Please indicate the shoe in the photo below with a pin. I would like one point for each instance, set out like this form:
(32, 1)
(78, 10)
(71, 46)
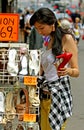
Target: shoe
(2, 99)
(23, 50)
(23, 61)
(3, 121)
(20, 127)
(34, 63)
(24, 65)
(30, 126)
(63, 59)
(9, 106)
(33, 97)
(22, 103)
(2, 106)
(12, 65)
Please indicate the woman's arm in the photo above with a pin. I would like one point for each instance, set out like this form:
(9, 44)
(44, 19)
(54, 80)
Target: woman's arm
(69, 45)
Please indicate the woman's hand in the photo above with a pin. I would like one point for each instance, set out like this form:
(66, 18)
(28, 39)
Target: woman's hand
(64, 71)
(73, 72)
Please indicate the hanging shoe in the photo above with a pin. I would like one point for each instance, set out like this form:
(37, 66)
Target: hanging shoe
(9, 107)
(22, 103)
(12, 65)
(34, 62)
(20, 127)
(24, 65)
(2, 105)
(33, 97)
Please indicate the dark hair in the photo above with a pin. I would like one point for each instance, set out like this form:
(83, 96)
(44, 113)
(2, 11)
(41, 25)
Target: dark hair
(43, 16)
(46, 16)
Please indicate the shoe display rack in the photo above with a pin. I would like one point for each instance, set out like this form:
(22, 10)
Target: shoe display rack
(19, 93)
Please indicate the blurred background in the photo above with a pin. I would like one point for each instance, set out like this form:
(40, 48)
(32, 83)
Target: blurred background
(20, 5)
(61, 8)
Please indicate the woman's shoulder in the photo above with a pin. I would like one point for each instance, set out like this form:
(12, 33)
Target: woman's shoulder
(68, 41)
(67, 37)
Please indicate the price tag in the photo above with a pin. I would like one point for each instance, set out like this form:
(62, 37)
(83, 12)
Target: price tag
(29, 117)
(9, 25)
(30, 80)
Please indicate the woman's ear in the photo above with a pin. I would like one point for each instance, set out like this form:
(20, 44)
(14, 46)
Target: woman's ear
(53, 27)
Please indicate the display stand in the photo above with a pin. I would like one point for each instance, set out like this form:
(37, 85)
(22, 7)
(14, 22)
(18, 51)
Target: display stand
(12, 83)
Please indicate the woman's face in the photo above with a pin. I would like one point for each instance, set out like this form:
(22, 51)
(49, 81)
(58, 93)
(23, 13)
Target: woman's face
(43, 29)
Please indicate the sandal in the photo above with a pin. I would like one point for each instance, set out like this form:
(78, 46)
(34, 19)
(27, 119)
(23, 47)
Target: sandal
(9, 108)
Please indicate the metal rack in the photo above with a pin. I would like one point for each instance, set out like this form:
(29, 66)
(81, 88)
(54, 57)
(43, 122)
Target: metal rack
(7, 84)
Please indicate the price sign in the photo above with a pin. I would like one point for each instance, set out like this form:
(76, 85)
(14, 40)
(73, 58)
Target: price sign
(30, 80)
(9, 25)
(29, 117)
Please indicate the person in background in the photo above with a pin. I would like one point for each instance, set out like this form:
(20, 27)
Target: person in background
(75, 14)
(56, 102)
(78, 21)
(76, 31)
(22, 27)
(27, 27)
(35, 40)
(77, 28)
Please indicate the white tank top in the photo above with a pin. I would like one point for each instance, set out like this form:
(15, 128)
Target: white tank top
(47, 60)
(76, 32)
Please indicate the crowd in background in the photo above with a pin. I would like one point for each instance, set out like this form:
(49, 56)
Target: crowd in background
(30, 35)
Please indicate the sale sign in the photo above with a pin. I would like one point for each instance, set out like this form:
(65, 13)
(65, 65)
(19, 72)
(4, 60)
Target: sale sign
(29, 117)
(9, 26)
(30, 80)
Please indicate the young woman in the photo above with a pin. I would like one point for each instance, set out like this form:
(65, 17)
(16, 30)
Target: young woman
(56, 102)
(76, 31)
